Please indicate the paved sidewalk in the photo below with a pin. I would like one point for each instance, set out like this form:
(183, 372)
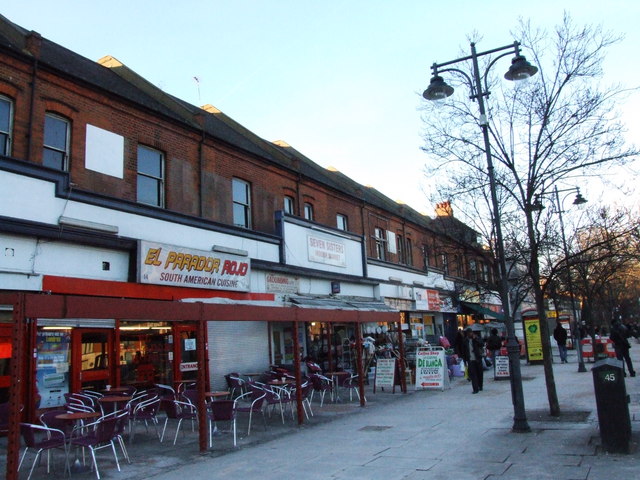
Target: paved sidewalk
(445, 435)
(421, 435)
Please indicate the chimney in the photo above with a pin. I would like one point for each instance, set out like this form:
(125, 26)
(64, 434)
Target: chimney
(443, 209)
(33, 43)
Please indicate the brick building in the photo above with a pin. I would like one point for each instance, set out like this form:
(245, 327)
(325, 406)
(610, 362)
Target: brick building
(115, 191)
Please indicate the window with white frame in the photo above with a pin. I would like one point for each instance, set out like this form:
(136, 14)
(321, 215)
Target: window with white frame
(342, 222)
(288, 205)
(379, 242)
(425, 256)
(6, 125)
(56, 142)
(409, 252)
(150, 176)
(241, 203)
(308, 211)
(444, 259)
(400, 248)
(473, 269)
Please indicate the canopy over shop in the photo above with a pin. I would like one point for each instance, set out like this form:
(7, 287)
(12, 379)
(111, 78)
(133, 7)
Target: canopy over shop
(27, 306)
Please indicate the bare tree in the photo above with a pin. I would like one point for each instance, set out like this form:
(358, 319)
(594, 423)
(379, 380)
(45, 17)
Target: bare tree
(560, 126)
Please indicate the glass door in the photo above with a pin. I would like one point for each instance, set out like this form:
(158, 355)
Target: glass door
(91, 367)
(186, 353)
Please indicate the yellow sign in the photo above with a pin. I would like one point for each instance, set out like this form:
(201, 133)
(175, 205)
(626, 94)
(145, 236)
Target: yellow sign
(534, 339)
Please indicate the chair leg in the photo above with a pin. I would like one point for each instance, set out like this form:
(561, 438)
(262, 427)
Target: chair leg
(95, 463)
(234, 432)
(123, 448)
(115, 454)
(166, 420)
(24, 454)
(35, 460)
(177, 431)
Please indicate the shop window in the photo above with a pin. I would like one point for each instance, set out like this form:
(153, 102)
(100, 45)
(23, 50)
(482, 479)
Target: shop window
(53, 349)
(6, 125)
(56, 142)
(241, 203)
(150, 186)
(146, 350)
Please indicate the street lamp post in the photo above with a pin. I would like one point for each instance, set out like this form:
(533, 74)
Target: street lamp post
(520, 70)
(579, 200)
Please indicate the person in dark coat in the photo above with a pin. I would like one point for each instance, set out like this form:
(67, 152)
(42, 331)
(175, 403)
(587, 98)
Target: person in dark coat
(619, 337)
(472, 355)
(560, 335)
(494, 344)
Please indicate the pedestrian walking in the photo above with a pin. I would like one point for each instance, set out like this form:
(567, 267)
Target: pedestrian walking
(494, 344)
(560, 335)
(620, 338)
(472, 356)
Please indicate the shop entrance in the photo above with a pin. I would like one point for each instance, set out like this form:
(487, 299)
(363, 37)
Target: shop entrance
(185, 350)
(92, 350)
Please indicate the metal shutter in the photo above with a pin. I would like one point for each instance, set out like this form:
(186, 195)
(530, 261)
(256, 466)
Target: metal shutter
(236, 347)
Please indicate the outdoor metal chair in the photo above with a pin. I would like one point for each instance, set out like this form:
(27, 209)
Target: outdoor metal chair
(222, 411)
(145, 410)
(180, 411)
(95, 436)
(254, 406)
(42, 439)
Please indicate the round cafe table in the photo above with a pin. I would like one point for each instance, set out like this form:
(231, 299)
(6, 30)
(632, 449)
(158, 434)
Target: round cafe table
(77, 418)
(113, 390)
(113, 401)
(214, 395)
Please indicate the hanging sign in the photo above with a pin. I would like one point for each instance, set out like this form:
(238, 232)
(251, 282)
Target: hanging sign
(385, 373)
(431, 369)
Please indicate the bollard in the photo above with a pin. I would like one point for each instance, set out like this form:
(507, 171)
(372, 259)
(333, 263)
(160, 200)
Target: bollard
(613, 405)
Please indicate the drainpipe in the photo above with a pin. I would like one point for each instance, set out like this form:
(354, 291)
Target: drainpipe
(33, 44)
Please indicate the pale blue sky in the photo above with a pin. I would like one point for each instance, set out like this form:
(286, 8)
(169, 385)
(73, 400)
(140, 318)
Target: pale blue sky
(338, 80)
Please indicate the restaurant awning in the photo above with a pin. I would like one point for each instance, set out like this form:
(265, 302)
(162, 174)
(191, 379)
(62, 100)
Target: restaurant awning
(477, 308)
(341, 304)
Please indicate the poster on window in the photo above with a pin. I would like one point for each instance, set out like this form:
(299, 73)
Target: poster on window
(52, 367)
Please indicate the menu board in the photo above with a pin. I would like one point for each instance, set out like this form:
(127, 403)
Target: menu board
(52, 367)
(385, 372)
(431, 368)
(501, 369)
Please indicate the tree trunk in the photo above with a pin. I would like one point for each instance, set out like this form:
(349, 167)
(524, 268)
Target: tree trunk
(547, 358)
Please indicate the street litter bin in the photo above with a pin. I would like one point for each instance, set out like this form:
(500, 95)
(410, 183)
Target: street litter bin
(613, 405)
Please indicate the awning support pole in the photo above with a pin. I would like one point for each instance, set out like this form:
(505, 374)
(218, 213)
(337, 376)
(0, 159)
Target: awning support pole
(359, 362)
(296, 364)
(202, 379)
(16, 389)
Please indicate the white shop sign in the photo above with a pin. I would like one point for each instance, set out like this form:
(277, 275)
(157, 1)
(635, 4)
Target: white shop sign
(162, 264)
(281, 283)
(326, 251)
(188, 366)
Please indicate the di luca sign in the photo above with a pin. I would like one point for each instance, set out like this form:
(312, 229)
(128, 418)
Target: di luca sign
(162, 264)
